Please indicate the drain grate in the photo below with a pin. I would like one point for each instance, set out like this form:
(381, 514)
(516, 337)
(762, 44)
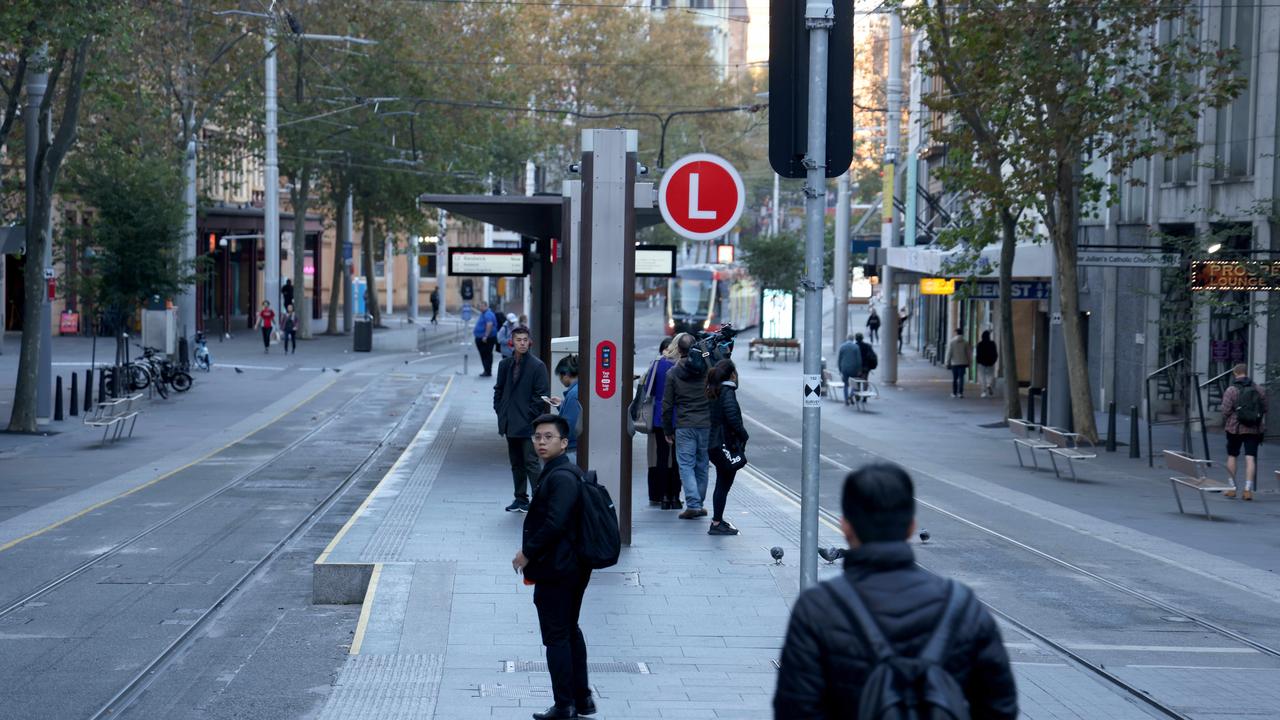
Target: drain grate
(632, 668)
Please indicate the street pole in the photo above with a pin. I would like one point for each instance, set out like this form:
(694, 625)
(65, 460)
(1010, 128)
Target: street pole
(442, 254)
(187, 296)
(819, 17)
(841, 270)
(889, 217)
(36, 86)
(773, 217)
(271, 181)
(413, 274)
(348, 259)
(388, 270)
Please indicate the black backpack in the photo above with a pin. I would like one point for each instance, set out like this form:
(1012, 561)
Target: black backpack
(599, 540)
(905, 688)
(1249, 405)
(869, 359)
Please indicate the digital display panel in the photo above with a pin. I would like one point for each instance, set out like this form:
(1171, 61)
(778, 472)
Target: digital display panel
(502, 262)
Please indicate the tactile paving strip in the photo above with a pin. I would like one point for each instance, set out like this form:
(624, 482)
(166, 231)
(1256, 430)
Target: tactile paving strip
(385, 686)
(389, 539)
(634, 668)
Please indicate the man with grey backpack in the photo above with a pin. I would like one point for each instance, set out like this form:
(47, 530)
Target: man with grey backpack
(887, 640)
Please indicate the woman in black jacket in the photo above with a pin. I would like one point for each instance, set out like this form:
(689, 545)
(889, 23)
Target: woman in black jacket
(727, 431)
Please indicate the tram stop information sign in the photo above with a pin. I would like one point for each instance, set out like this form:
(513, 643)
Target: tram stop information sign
(701, 196)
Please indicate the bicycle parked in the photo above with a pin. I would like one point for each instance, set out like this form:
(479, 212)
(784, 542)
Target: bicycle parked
(204, 360)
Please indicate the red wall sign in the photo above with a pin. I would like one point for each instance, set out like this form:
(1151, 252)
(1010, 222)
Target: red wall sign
(606, 369)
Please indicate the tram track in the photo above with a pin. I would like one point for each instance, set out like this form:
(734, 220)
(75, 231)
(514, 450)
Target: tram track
(1058, 647)
(126, 696)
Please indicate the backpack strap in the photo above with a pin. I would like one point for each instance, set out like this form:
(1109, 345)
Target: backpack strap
(846, 595)
(957, 597)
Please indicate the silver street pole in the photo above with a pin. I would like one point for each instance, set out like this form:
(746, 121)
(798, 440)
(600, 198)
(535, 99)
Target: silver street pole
(187, 299)
(271, 181)
(442, 255)
(841, 270)
(348, 290)
(819, 16)
(889, 227)
(777, 192)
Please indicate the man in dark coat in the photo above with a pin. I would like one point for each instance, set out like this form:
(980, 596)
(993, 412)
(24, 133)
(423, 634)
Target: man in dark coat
(686, 420)
(826, 660)
(550, 562)
(518, 398)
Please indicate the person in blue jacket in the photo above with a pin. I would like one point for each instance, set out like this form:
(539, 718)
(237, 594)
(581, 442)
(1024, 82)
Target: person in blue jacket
(570, 409)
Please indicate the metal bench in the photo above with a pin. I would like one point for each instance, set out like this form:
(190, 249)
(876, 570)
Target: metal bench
(113, 414)
(765, 353)
(1026, 434)
(835, 388)
(863, 390)
(1192, 473)
(1066, 445)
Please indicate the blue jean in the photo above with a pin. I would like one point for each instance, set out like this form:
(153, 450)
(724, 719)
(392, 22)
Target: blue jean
(691, 456)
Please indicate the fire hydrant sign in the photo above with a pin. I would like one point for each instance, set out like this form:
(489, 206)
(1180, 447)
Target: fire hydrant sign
(701, 196)
(606, 369)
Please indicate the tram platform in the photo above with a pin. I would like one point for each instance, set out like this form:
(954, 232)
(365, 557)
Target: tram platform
(686, 625)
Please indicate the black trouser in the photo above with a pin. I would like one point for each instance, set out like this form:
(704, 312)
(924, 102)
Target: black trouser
(291, 336)
(873, 334)
(266, 337)
(664, 478)
(485, 346)
(957, 379)
(559, 603)
(435, 312)
(525, 468)
(724, 481)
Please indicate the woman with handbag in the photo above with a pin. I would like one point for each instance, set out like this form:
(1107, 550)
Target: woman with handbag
(728, 444)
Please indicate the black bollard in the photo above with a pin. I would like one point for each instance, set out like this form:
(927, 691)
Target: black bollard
(1111, 426)
(1031, 405)
(73, 399)
(57, 399)
(88, 389)
(1134, 450)
(1044, 410)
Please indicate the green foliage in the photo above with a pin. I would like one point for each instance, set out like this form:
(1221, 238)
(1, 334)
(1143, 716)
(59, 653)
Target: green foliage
(777, 261)
(137, 232)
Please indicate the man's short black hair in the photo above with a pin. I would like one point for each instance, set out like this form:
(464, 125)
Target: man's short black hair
(520, 330)
(879, 502)
(857, 337)
(562, 425)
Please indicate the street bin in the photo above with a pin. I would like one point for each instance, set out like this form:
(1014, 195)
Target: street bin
(363, 336)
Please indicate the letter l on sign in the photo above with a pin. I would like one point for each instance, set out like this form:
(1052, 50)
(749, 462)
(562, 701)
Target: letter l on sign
(694, 212)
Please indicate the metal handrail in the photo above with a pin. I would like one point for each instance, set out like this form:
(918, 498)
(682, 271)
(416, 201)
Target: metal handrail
(1146, 385)
(1214, 379)
(1166, 367)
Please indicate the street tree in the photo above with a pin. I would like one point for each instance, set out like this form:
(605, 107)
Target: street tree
(1108, 83)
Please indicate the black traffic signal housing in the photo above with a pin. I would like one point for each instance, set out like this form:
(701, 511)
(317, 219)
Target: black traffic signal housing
(789, 88)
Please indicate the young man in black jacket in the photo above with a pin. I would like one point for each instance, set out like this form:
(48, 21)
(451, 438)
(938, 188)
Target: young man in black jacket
(825, 659)
(517, 400)
(549, 560)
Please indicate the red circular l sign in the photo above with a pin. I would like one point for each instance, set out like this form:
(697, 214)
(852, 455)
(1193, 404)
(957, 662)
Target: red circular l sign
(701, 196)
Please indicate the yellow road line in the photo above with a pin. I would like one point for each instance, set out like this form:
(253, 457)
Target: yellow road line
(366, 609)
(404, 457)
(169, 474)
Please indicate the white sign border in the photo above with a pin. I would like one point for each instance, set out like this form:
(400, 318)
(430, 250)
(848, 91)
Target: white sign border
(701, 157)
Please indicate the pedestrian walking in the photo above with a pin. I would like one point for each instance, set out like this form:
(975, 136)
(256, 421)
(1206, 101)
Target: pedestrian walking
(728, 440)
(435, 306)
(1244, 414)
(503, 336)
(852, 636)
(849, 363)
(569, 407)
(266, 320)
(286, 293)
(290, 329)
(873, 326)
(686, 420)
(957, 358)
(549, 560)
(664, 478)
(870, 361)
(987, 356)
(485, 331)
(903, 317)
(519, 396)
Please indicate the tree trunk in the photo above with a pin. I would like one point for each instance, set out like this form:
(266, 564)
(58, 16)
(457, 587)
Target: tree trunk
(1008, 354)
(339, 261)
(1063, 234)
(23, 416)
(370, 277)
(300, 195)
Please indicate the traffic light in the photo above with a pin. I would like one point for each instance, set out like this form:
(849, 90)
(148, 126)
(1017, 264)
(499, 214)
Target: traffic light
(789, 88)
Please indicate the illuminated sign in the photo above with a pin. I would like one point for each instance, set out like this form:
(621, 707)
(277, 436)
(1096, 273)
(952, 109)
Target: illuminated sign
(777, 315)
(606, 373)
(1235, 275)
(503, 262)
(724, 254)
(937, 286)
(655, 260)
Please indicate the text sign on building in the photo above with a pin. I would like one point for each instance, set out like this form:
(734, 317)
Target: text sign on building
(1235, 275)
(655, 260)
(937, 286)
(701, 196)
(1129, 259)
(488, 261)
(1020, 290)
